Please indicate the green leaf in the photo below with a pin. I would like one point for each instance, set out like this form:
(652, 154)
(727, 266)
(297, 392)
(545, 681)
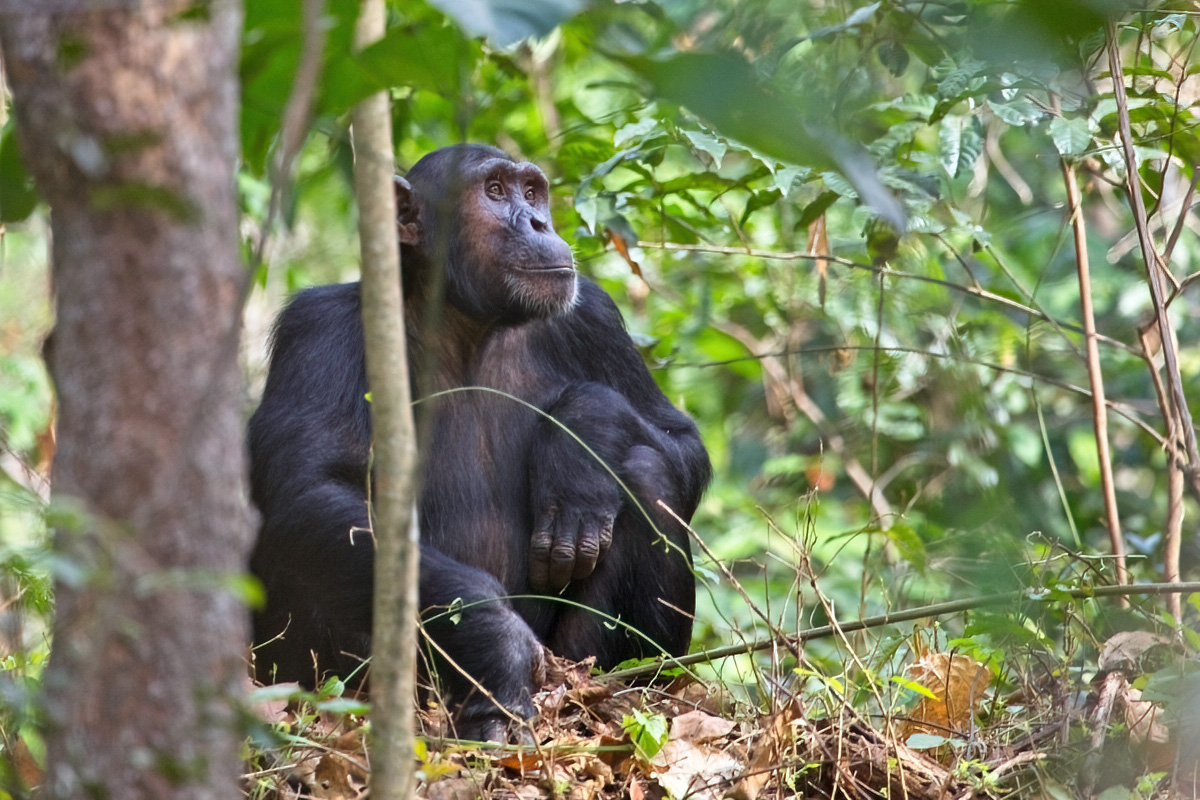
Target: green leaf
(507, 21)
(344, 705)
(724, 90)
(635, 131)
(758, 200)
(913, 686)
(786, 177)
(893, 56)
(959, 143)
(648, 732)
(1070, 136)
(707, 143)
(1081, 443)
(816, 208)
(837, 183)
(925, 741)
(17, 197)
(1018, 112)
(431, 57)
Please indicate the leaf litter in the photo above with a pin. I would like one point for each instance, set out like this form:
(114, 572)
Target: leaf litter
(952, 742)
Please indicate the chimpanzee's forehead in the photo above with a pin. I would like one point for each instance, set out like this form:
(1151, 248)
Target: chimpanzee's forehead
(500, 166)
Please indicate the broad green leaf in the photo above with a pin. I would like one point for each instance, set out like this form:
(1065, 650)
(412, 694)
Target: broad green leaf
(959, 144)
(344, 705)
(17, 197)
(816, 208)
(925, 741)
(648, 732)
(431, 57)
(786, 177)
(635, 131)
(1081, 442)
(707, 143)
(1070, 136)
(837, 183)
(1018, 112)
(893, 55)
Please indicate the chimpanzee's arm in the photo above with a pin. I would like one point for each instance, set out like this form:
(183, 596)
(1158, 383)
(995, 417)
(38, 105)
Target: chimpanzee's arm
(616, 408)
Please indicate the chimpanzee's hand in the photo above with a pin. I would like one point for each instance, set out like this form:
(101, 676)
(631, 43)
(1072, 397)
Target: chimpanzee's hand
(497, 718)
(574, 515)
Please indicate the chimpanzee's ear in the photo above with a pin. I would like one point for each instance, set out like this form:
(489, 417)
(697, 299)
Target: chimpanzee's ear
(408, 226)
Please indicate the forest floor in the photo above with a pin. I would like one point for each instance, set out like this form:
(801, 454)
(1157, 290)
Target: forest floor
(597, 739)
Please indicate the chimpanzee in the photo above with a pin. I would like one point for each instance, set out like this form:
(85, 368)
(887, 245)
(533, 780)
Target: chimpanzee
(526, 538)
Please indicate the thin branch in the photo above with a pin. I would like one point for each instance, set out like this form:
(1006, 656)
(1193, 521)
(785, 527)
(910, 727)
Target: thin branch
(1185, 208)
(23, 475)
(394, 453)
(1149, 256)
(892, 618)
(729, 576)
(293, 128)
(1005, 169)
(1095, 378)
(1121, 409)
(1173, 529)
(845, 262)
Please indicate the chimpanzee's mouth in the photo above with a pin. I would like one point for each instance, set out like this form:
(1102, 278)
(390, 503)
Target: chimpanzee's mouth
(552, 269)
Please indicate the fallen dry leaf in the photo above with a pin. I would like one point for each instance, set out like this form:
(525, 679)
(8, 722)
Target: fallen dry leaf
(957, 682)
(1144, 719)
(697, 726)
(454, 789)
(767, 750)
(337, 778)
(695, 771)
(1126, 649)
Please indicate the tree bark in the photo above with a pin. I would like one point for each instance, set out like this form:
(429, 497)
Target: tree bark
(394, 444)
(127, 113)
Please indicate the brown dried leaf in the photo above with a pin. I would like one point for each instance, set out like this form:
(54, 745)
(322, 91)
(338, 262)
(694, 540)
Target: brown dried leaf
(1125, 650)
(716, 700)
(818, 245)
(697, 726)
(622, 247)
(337, 778)
(522, 761)
(958, 683)
(454, 789)
(695, 771)
(777, 737)
(1143, 719)
(26, 765)
(274, 707)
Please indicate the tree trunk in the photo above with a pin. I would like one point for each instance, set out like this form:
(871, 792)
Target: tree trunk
(127, 113)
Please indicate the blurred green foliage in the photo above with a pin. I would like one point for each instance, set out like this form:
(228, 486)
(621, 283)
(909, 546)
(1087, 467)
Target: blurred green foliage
(916, 143)
(857, 259)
